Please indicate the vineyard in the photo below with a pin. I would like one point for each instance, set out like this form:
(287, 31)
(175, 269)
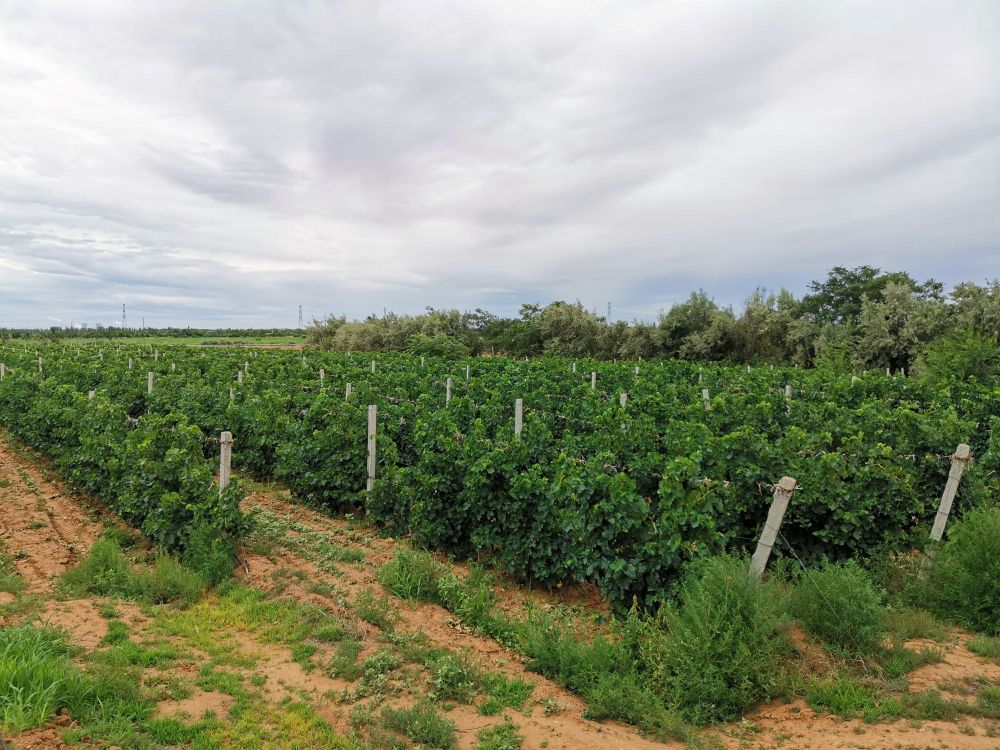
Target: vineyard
(616, 473)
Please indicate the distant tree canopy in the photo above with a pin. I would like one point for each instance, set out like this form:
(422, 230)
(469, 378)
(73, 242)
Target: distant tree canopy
(854, 319)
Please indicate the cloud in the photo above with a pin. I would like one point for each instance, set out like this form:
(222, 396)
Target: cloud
(223, 163)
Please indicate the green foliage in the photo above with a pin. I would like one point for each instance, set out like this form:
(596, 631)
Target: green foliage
(622, 498)
(963, 583)
(718, 652)
(838, 604)
(961, 356)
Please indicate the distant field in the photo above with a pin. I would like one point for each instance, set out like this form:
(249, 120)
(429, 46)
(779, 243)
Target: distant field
(194, 340)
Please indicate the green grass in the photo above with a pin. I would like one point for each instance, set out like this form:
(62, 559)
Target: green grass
(985, 646)
(907, 623)
(503, 692)
(107, 572)
(374, 609)
(499, 737)
(848, 698)
(344, 663)
(421, 724)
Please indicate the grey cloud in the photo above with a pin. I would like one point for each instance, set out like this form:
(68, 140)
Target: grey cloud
(359, 155)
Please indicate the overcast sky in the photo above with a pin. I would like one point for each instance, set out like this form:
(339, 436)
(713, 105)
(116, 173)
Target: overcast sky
(221, 163)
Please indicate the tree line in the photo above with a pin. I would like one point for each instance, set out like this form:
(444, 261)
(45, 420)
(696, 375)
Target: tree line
(854, 319)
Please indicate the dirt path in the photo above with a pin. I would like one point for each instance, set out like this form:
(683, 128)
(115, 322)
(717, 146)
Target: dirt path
(43, 523)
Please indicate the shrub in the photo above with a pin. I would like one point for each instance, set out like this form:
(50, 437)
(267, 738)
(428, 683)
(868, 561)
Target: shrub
(963, 584)
(209, 553)
(717, 653)
(453, 679)
(838, 604)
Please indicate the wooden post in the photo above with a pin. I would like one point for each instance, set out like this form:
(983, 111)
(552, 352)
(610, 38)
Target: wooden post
(622, 400)
(372, 422)
(225, 460)
(518, 416)
(447, 390)
(593, 380)
(705, 399)
(347, 393)
(782, 494)
(149, 382)
(958, 461)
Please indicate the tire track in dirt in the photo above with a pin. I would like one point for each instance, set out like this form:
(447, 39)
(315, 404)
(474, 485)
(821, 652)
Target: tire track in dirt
(44, 528)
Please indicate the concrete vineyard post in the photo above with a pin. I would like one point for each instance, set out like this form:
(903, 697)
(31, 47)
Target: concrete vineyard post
(347, 392)
(701, 377)
(421, 361)
(39, 364)
(637, 369)
(149, 382)
(574, 367)
(447, 390)
(468, 373)
(90, 395)
(373, 367)
(518, 416)
(130, 363)
(705, 399)
(593, 380)
(232, 394)
(225, 460)
(788, 392)
(3, 370)
(173, 367)
(372, 422)
(246, 367)
(958, 461)
(322, 376)
(622, 400)
(782, 494)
